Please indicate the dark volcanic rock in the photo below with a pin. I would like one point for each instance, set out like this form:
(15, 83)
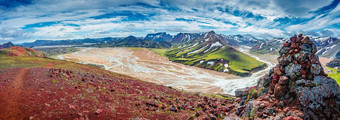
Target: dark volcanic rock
(306, 48)
(241, 92)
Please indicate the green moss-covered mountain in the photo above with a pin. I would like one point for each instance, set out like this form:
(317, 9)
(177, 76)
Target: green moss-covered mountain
(211, 52)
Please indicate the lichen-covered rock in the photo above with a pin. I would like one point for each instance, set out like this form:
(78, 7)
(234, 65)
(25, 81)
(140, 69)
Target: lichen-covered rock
(323, 95)
(284, 50)
(285, 60)
(252, 108)
(298, 57)
(264, 81)
(306, 48)
(292, 68)
(315, 69)
(305, 83)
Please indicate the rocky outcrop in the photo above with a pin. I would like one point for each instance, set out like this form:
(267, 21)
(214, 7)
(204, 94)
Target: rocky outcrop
(296, 88)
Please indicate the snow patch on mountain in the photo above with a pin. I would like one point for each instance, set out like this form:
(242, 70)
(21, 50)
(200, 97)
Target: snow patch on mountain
(216, 44)
(226, 67)
(210, 62)
(198, 50)
(201, 61)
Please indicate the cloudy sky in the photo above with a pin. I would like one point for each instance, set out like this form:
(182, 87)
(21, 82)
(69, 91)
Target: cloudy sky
(29, 20)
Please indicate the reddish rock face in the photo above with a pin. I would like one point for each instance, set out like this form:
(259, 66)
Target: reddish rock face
(303, 72)
(277, 71)
(306, 40)
(276, 78)
(283, 80)
(279, 90)
(293, 39)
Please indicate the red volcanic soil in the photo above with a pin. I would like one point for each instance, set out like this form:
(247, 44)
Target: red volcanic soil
(11, 98)
(52, 93)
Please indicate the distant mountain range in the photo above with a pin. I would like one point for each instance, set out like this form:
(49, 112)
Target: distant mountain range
(161, 38)
(70, 42)
(327, 46)
(132, 41)
(267, 47)
(206, 49)
(247, 40)
(233, 40)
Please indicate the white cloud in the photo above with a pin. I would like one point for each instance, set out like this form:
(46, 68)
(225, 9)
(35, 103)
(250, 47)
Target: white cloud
(272, 9)
(201, 16)
(26, 20)
(13, 34)
(317, 23)
(94, 21)
(271, 32)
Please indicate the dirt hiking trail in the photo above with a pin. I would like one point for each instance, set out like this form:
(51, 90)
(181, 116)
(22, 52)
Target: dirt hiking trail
(12, 100)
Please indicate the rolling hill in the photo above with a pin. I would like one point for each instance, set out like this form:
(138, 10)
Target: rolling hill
(21, 51)
(211, 51)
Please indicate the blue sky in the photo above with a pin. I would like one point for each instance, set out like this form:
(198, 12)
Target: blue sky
(29, 20)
